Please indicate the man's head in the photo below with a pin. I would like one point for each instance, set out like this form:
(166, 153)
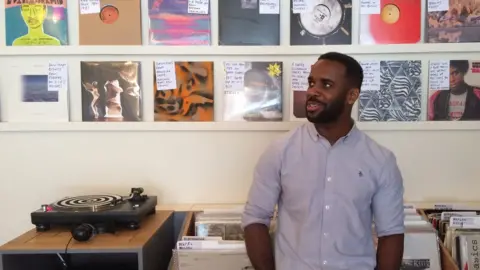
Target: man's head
(333, 87)
(458, 69)
(34, 14)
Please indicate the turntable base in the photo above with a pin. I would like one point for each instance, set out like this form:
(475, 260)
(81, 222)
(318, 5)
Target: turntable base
(149, 247)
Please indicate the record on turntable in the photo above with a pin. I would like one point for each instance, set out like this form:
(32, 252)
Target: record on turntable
(324, 22)
(105, 209)
(88, 203)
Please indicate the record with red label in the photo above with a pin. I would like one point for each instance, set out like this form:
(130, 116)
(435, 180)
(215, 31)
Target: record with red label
(399, 22)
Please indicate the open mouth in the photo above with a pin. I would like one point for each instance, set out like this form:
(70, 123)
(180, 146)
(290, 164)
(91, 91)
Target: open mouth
(313, 106)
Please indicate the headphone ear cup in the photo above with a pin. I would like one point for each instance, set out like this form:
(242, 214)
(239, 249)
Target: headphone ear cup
(83, 233)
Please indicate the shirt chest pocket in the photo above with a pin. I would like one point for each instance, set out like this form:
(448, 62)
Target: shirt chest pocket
(354, 185)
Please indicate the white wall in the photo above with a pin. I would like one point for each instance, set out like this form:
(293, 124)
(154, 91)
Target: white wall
(204, 162)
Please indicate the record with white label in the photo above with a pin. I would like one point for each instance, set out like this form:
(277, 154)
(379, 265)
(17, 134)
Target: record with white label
(325, 22)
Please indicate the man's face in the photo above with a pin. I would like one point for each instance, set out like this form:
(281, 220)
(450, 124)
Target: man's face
(33, 14)
(456, 78)
(328, 92)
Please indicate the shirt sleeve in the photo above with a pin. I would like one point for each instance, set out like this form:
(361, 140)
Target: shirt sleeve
(387, 204)
(265, 189)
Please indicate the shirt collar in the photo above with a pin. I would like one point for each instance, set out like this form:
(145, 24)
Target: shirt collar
(351, 135)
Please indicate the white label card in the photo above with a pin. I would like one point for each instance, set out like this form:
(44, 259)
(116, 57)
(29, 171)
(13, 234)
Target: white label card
(57, 76)
(439, 75)
(165, 75)
(371, 75)
(269, 7)
(189, 245)
(465, 222)
(234, 75)
(409, 206)
(443, 206)
(369, 7)
(89, 6)
(447, 215)
(299, 6)
(198, 6)
(438, 5)
(299, 78)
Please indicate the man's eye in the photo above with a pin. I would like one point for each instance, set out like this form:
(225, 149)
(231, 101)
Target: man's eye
(311, 84)
(327, 85)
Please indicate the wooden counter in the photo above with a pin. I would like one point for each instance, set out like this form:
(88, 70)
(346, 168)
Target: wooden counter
(149, 247)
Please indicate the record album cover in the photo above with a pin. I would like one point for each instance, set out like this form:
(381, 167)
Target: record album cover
(399, 22)
(399, 95)
(171, 24)
(192, 100)
(325, 22)
(253, 91)
(460, 23)
(111, 91)
(34, 97)
(40, 23)
(118, 22)
(454, 90)
(240, 23)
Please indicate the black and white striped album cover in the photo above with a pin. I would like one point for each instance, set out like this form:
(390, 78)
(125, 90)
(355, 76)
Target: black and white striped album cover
(394, 92)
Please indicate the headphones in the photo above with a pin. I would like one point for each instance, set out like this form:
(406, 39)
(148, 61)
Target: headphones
(83, 232)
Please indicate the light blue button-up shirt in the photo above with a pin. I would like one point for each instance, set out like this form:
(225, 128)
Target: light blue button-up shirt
(327, 197)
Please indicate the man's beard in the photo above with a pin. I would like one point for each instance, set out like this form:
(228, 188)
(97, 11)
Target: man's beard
(331, 112)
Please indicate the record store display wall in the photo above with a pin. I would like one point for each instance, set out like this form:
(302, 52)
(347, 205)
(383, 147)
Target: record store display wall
(143, 93)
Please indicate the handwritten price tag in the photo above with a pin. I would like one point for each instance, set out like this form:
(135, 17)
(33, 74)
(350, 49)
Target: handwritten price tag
(234, 75)
(165, 75)
(371, 75)
(89, 6)
(439, 75)
(57, 76)
(299, 79)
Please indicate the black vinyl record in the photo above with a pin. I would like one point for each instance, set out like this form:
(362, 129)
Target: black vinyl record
(241, 24)
(327, 22)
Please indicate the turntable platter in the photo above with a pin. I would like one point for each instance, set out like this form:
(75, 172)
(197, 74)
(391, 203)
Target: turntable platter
(89, 203)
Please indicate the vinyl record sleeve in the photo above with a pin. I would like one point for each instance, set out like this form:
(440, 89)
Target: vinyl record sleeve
(326, 22)
(253, 91)
(36, 24)
(171, 24)
(28, 97)
(192, 100)
(240, 23)
(118, 23)
(111, 91)
(460, 23)
(399, 22)
(454, 103)
(399, 97)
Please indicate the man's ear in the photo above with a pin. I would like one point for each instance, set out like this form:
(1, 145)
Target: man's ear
(353, 95)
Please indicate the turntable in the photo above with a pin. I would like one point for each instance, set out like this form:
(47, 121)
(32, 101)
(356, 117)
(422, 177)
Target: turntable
(104, 211)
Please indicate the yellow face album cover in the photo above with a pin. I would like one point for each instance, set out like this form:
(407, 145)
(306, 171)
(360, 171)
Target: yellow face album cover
(42, 23)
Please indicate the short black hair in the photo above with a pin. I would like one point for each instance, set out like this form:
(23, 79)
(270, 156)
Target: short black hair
(353, 69)
(461, 65)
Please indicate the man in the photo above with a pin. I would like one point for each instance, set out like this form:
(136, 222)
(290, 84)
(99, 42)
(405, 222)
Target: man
(461, 102)
(329, 179)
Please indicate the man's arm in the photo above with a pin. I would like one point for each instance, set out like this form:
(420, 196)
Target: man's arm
(388, 216)
(260, 206)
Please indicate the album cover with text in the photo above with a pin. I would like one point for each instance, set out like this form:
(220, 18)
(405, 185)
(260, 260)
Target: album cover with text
(192, 100)
(399, 22)
(241, 23)
(40, 23)
(111, 91)
(454, 90)
(394, 92)
(117, 22)
(36, 93)
(253, 91)
(459, 23)
(322, 22)
(171, 24)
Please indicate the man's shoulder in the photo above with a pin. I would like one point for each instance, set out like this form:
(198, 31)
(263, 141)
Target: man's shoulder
(289, 137)
(375, 151)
